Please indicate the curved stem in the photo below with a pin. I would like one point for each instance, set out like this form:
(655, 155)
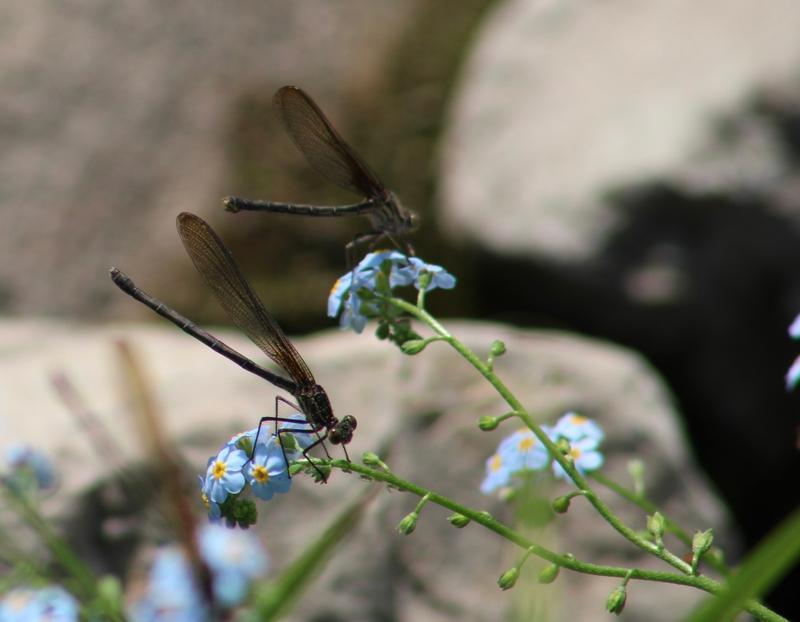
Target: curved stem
(650, 507)
(566, 561)
(517, 406)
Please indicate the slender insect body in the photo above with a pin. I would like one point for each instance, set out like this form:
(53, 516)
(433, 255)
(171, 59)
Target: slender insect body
(215, 264)
(328, 153)
(316, 406)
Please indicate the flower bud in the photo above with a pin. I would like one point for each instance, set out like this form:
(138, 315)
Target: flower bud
(288, 441)
(382, 332)
(244, 513)
(413, 346)
(701, 542)
(498, 348)
(548, 574)
(109, 590)
(487, 423)
(655, 525)
(561, 504)
(370, 458)
(508, 578)
(245, 443)
(563, 446)
(616, 600)
(408, 524)
(636, 470)
(458, 520)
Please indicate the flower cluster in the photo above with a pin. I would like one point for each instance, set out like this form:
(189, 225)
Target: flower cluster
(356, 296)
(234, 559)
(232, 470)
(522, 451)
(793, 374)
(53, 603)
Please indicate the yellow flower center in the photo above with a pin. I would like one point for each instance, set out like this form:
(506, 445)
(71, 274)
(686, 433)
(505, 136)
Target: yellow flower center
(574, 453)
(260, 474)
(578, 419)
(219, 469)
(496, 463)
(526, 443)
(18, 600)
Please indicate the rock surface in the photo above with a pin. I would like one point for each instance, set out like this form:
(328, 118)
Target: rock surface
(425, 408)
(116, 118)
(561, 103)
(632, 171)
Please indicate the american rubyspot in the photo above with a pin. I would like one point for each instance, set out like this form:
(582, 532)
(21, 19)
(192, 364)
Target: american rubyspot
(328, 154)
(216, 265)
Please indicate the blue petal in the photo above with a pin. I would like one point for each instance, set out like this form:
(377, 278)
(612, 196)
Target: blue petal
(793, 375)
(794, 329)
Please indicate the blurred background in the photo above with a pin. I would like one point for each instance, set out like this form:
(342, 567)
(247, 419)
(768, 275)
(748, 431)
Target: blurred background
(620, 170)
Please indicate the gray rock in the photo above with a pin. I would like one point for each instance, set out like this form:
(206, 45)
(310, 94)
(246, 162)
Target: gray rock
(562, 102)
(426, 410)
(115, 118)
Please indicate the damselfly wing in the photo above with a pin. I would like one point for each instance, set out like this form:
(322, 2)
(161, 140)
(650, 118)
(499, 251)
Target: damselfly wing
(218, 269)
(328, 154)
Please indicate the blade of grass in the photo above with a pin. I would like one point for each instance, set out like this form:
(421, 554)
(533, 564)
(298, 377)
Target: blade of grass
(276, 599)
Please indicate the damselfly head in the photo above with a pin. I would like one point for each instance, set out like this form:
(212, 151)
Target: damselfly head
(342, 432)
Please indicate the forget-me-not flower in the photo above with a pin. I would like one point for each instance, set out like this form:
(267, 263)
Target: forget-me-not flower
(573, 427)
(267, 472)
(352, 299)
(27, 467)
(48, 604)
(172, 594)
(224, 474)
(235, 558)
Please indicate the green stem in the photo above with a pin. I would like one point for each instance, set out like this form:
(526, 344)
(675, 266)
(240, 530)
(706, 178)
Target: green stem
(650, 507)
(422, 503)
(580, 481)
(517, 406)
(566, 561)
(84, 577)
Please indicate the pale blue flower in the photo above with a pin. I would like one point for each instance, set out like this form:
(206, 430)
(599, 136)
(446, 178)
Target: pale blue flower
(523, 451)
(267, 472)
(28, 467)
(235, 558)
(794, 329)
(793, 375)
(573, 427)
(498, 474)
(352, 296)
(413, 270)
(47, 604)
(224, 474)
(172, 594)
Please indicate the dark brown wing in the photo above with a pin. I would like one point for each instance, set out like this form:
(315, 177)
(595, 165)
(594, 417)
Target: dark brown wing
(323, 147)
(215, 264)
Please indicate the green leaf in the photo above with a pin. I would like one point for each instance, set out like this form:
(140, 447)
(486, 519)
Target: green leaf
(273, 601)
